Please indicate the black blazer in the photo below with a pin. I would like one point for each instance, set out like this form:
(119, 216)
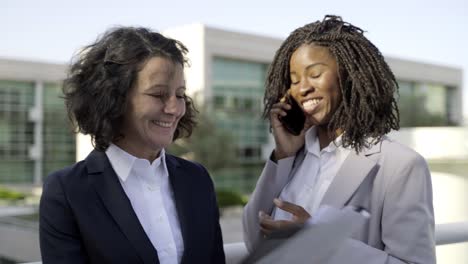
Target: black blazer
(86, 217)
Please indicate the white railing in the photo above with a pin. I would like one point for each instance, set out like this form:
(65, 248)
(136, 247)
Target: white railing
(450, 233)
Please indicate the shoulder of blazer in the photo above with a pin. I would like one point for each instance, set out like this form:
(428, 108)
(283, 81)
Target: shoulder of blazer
(64, 175)
(392, 147)
(393, 154)
(189, 170)
(74, 175)
(183, 163)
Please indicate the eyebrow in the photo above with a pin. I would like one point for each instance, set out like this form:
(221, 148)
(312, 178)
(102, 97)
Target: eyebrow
(164, 86)
(312, 65)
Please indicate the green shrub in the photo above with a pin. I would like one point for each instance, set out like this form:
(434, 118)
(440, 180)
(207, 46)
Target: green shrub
(230, 198)
(10, 195)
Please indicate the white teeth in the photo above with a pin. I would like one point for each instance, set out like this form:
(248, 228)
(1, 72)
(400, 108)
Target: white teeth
(162, 124)
(311, 102)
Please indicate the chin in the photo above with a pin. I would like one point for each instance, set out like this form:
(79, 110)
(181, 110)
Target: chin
(163, 144)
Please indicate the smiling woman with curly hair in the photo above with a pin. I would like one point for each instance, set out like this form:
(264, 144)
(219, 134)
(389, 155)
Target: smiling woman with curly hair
(129, 201)
(100, 79)
(330, 99)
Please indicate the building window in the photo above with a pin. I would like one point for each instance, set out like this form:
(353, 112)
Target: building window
(425, 104)
(218, 102)
(248, 153)
(58, 139)
(16, 132)
(238, 89)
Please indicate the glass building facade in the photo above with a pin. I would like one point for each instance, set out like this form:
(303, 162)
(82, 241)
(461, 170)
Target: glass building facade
(17, 132)
(426, 104)
(238, 88)
(59, 143)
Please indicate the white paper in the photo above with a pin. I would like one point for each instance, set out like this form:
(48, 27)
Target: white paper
(322, 236)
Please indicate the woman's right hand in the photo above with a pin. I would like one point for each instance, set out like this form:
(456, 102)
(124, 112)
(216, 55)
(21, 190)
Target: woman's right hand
(286, 143)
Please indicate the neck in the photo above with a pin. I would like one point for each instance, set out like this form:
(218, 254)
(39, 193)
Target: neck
(139, 153)
(325, 136)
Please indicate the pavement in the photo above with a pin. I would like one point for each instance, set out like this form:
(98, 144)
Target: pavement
(16, 210)
(231, 224)
(19, 239)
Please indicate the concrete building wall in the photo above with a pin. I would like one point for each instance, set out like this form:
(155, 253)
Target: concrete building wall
(407, 70)
(21, 70)
(193, 37)
(433, 143)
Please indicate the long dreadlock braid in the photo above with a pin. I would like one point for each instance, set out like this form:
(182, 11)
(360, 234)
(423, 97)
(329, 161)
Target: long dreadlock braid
(368, 109)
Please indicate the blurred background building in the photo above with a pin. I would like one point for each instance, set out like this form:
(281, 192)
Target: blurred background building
(226, 76)
(226, 79)
(35, 137)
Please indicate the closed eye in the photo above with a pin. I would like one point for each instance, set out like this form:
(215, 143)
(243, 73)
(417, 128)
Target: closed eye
(157, 95)
(315, 75)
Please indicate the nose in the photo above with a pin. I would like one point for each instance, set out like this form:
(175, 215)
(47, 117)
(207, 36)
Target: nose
(305, 87)
(170, 105)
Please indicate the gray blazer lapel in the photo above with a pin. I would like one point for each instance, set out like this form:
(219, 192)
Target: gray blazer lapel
(350, 177)
(300, 156)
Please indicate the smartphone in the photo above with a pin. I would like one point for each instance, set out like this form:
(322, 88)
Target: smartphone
(295, 118)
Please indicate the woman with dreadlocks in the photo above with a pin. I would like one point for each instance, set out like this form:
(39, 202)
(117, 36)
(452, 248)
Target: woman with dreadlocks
(342, 156)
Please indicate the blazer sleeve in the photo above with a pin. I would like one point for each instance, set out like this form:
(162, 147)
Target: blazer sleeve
(272, 180)
(218, 252)
(407, 221)
(58, 232)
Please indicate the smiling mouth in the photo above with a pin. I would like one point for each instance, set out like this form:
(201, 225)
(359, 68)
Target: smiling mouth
(162, 124)
(310, 105)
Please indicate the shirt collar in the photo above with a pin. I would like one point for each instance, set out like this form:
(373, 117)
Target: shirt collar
(334, 144)
(312, 143)
(122, 162)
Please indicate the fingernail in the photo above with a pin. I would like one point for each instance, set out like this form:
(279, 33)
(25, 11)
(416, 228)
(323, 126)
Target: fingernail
(277, 201)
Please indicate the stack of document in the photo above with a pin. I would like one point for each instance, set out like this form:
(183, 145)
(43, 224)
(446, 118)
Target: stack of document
(316, 242)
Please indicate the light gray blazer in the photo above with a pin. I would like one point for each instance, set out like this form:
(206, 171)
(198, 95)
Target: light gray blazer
(390, 180)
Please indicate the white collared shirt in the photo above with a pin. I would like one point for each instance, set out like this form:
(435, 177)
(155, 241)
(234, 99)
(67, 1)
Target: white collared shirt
(312, 179)
(148, 189)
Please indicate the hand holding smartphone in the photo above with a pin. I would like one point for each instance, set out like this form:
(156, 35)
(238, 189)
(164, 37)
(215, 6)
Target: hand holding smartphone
(295, 118)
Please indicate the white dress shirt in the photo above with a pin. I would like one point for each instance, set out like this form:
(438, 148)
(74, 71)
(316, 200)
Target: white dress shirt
(147, 187)
(311, 181)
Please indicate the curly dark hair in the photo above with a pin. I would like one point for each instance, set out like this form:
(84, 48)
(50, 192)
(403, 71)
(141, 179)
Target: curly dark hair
(101, 75)
(368, 87)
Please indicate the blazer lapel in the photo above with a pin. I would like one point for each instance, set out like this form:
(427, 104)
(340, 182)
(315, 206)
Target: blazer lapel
(350, 176)
(181, 189)
(104, 180)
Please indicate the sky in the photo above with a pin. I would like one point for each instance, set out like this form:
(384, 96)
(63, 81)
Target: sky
(52, 30)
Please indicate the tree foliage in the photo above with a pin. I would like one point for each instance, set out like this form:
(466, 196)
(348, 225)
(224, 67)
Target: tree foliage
(209, 145)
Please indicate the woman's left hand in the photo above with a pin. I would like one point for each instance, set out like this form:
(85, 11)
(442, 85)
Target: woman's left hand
(269, 226)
